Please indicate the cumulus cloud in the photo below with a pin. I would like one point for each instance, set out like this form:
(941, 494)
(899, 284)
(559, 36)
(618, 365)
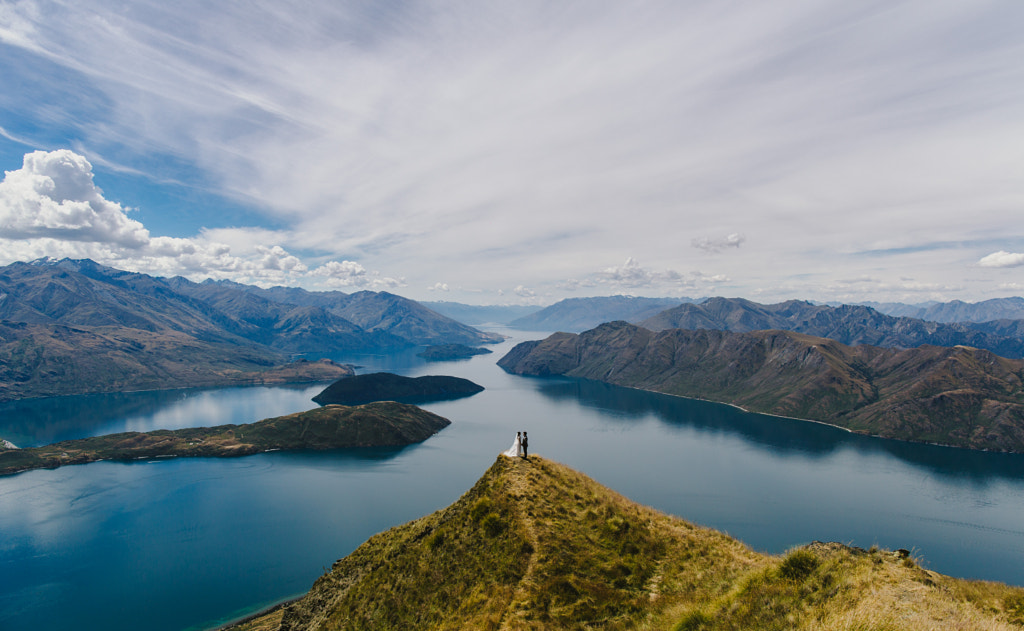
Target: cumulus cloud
(717, 245)
(53, 196)
(1002, 259)
(438, 286)
(352, 274)
(52, 208)
(632, 275)
(524, 292)
(276, 258)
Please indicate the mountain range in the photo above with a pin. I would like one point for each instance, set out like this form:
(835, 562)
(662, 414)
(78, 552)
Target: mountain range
(535, 545)
(580, 314)
(983, 324)
(73, 326)
(849, 324)
(1011, 308)
(960, 396)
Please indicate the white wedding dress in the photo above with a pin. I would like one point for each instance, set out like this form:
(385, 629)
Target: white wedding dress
(516, 450)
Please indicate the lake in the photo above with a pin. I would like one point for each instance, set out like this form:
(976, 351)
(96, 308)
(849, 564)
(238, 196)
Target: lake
(190, 543)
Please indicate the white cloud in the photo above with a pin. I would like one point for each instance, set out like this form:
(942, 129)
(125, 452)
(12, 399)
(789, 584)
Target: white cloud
(632, 274)
(1002, 259)
(438, 286)
(717, 245)
(53, 196)
(492, 144)
(573, 284)
(352, 274)
(52, 208)
(524, 292)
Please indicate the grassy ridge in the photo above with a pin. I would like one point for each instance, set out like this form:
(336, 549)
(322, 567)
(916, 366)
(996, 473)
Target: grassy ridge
(535, 545)
(331, 427)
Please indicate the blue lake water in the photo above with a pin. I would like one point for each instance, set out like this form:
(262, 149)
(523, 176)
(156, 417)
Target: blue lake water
(189, 543)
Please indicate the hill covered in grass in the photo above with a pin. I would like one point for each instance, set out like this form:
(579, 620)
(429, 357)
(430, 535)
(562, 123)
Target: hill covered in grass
(385, 424)
(535, 545)
(961, 396)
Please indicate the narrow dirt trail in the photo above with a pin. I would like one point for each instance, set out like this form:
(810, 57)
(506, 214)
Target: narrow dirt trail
(519, 486)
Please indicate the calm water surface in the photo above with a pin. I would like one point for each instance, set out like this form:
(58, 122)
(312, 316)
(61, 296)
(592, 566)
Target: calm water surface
(186, 544)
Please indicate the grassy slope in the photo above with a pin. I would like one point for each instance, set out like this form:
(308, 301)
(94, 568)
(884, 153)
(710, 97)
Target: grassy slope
(331, 427)
(536, 545)
(41, 360)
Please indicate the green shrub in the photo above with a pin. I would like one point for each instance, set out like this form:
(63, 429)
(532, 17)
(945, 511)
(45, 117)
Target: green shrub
(481, 508)
(694, 621)
(1014, 604)
(798, 565)
(492, 524)
(436, 540)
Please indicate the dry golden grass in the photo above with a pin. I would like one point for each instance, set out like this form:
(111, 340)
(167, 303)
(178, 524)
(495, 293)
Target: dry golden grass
(535, 545)
(268, 622)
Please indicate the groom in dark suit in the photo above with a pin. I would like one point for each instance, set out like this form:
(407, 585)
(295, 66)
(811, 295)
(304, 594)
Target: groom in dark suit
(525, 444)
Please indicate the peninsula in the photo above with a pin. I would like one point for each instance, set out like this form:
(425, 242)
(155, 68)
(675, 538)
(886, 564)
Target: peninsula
(446, 352)
(958, 396)
(537, 545)
(385, 386)
(384, 424)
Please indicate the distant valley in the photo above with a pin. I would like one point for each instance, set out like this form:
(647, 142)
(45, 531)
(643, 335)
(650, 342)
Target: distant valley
(580, 314)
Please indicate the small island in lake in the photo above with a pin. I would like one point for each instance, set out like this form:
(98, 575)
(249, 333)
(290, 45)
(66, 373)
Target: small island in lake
(446, 352)
(385, 386)
(383, 424)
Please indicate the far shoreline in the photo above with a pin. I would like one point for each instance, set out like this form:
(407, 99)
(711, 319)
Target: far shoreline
(806, 420)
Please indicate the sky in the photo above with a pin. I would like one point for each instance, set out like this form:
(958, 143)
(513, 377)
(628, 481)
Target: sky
(523, 152)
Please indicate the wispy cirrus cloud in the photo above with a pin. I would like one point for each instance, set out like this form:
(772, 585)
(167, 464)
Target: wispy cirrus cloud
(409, 137)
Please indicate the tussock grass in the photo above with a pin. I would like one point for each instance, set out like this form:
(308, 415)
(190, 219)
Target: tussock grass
(535, 545)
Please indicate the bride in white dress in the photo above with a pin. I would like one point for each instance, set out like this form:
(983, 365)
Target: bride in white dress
(516, 450)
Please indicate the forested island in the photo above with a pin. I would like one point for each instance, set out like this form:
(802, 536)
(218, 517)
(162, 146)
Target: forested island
(386, 386)
(446, 352)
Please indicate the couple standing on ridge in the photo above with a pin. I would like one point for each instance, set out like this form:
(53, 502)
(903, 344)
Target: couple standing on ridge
(519, 446)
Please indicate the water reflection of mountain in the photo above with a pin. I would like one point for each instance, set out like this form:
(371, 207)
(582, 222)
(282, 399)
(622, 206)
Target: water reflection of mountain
(44, 421)
(780, 435)
(35, 422)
